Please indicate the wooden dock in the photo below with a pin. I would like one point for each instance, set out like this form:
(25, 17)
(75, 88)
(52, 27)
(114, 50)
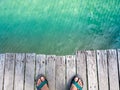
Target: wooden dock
(100, 70)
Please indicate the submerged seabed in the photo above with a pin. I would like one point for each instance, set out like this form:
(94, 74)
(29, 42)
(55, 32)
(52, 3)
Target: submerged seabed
(59, 26)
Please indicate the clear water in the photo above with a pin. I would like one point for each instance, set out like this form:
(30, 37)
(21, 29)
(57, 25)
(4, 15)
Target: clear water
(59, 26)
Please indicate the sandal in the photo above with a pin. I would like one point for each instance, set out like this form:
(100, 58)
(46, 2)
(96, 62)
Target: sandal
(42, 83)
(76, 82)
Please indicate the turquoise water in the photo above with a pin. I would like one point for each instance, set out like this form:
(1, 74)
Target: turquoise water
(59, 26)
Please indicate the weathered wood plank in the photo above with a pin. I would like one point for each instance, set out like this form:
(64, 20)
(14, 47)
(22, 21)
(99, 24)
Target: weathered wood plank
(113, 70)
(2, 60)
(9, 71)
(60, 73)
(92, 70)
(102, 69)
(50, 71)
(70, 69)
(81, 67)
(30, 71)
(55, 69)
(19, 71)
(40, 64)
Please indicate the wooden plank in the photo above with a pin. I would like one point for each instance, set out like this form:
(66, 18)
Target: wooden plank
(9, 71)
(40, 64)
(19, 71)
(2, 60)
(30, 71)
(102, 69)
(50, 71)
(113, 70)
(70, 69)
(92, 70)
(60, 73)
(81, 67)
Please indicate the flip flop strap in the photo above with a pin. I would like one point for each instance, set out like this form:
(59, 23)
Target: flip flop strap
(42, 84)
(77, 85)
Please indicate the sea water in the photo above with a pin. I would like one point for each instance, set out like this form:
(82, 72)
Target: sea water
(59, 26)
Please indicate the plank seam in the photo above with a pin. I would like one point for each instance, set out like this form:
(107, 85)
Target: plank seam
(45, 63)
(14, 71)
(55, 76)
(55, 71)
(24, 72)
(86, 71)
(3, 73)
(76, 64)
(65, 72)
(108, 72)
(118, 67)
(35, 72)
(97, 69)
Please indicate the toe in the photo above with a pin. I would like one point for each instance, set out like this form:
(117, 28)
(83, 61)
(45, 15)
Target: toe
(80, 82)
(76, 79)
(42, 79)
(38, 82)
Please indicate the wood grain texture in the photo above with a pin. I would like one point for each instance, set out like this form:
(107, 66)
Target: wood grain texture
(70, 69)
(92, 70)
(40, 64)
(81, 67)
(113, 70)
(50, 71)
(102, 69)
(60, 73)
(9, 71)
(19, 71)
(2, 60)
(30, 71)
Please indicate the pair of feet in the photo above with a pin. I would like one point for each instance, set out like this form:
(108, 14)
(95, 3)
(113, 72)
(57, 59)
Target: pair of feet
(76, 84)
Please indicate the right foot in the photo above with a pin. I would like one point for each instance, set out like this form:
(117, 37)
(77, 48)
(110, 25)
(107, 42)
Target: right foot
(40, 81)
(79, 82)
